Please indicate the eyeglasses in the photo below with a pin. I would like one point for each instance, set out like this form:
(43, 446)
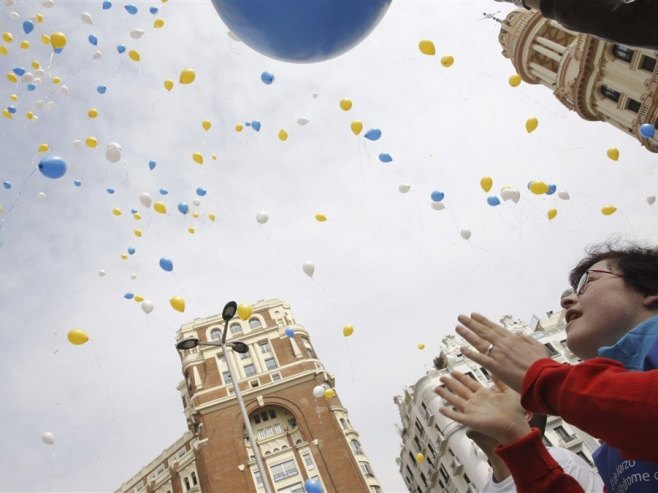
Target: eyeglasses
(585, 280)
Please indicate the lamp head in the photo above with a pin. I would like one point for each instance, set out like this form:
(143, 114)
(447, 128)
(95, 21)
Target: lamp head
(229, 311)
(189, 343)
(239, 347)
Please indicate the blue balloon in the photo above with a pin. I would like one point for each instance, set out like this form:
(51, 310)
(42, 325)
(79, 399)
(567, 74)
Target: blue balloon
(164, 191)
(290, 332)
(153, 10)
(52, 167)
(130, 8)
(11, 109)
(107, 5)
(31, 87)
(308, 31)
(312, 485)
(493, 201)
(267, 77)
(101, 89)
(437, 196)
(131, 250)
(152, 165)
(58, 50)
(648, 130)
(373, 134)
(255, 125)
(247, 124)
(28, 27)
(19, 71)
(121, 49)
(93, 39)
(183, 208)
(6, 185)
(201, 191)
(129, 296)
(551, 189)
(110, 190)
(166, 264)
(385, 158)
(77, 183)
(133, 211)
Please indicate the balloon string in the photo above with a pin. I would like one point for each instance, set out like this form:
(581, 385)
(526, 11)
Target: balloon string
(179, 284)
(107, 385)
(164, 325)
(18, 197)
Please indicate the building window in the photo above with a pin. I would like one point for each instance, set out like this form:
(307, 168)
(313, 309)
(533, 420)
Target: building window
(622, 52)
(343, 423)
(265, 347)
(236, 328)
(254, 323)
(272, 413)
(365, 469)
(270, 363)
(292, 423)
(258, 478)
(610, 93)
(226, 376)
(418, 446)
(563, 434)
(444, 473)
(284, 470)
(215, 334)
(193, 476)
(309, 348)
(187, 483)
(633, 105)
(249, 370)
(582, 455)
(419, 427)
(276, 376)
(422, 476)
(308, 460)
(375, 489)
(356, 447)
(245, 355)
(295, 488)
(551, 349)
(546, 441)
(648, 63)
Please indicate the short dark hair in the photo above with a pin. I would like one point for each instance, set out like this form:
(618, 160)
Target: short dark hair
(638, 264)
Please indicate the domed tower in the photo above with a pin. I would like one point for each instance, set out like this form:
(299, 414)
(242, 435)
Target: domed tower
(599, 80)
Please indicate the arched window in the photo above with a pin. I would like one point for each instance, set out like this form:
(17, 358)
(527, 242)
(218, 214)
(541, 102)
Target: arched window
(187, 483)
(356, 447)
(343, 423)
(622, 52)
(254, 323)
(610, 93)
(215, 334)
(193, 476)
(236, 328)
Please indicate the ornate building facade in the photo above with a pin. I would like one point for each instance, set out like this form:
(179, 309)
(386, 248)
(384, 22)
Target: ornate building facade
(452, 463)
(299, 436)
(600, 80)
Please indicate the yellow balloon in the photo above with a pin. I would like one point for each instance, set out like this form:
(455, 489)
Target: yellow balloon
(39, 17)
(91, 142)
(177, 303)
(515, 80)
(244, 311)
(124, 256)
(45, 39)
(25, 45)
(43, 147)
(138, 233)
(138, 299)
(187, 76)
(35, 65)
(320, 218)
(195, 214)
(613, 153)
(134, 55)
(7, 37)
(158, 23)
(29, 115)
(420, 457)
(356, 127)
(538, 187)
(13, 97)
(531, 124)
(197, 157)
(348, 330)
(283, 135)
(421, 346)
(608, 210)
(329, 394)
(551, 214)
(345, 104)
(56, 80)
(211, 216)
(214, 157)
(486, 183)
(58, 40)
(7, 114)
(11, 77)
(239, 128)
(3, 50)
(426, 47)
(160, 208)
(191, 230)
(206, 124)
(77, 337)
(137, 216)
(447, 60)
(169, 84)
(92, 113)
(116, 211)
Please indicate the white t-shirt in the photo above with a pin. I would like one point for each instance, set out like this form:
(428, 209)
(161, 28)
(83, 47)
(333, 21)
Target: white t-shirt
(573, 465)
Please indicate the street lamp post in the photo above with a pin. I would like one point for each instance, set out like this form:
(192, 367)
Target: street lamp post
(227, 314)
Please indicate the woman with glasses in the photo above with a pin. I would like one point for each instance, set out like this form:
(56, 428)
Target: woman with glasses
(612, 324)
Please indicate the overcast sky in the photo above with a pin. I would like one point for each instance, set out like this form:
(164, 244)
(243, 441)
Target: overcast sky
(385, 262)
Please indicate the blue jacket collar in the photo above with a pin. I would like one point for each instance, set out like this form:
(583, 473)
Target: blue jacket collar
(631, 349)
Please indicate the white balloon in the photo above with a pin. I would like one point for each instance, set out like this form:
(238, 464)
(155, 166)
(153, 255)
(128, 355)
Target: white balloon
(318, 391)
(64, 90)
(133, 276)
(50, 105)
(308, 268)
(35, 118)
(508, 193)
(27, 77)
(48, 3)
(145, 199)
(14, 16)
(77, 143)
(302, 120)
(465, 233)
(651, 199)
(137, 33)
(147, 306)
(40, 71)
(41, 195)
(113, 152)
(438, 206)
(102, 272)
(315, 95)
(196, 201)
(404, 188)
(37, 80)
(48, 438)
(563, 195)
(262, 217)
(86, 18)
(96, 55)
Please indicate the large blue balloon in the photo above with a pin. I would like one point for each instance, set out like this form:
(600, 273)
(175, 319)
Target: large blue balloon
(166, 264)
(312, 485)
(301, 31)
(52, 167)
